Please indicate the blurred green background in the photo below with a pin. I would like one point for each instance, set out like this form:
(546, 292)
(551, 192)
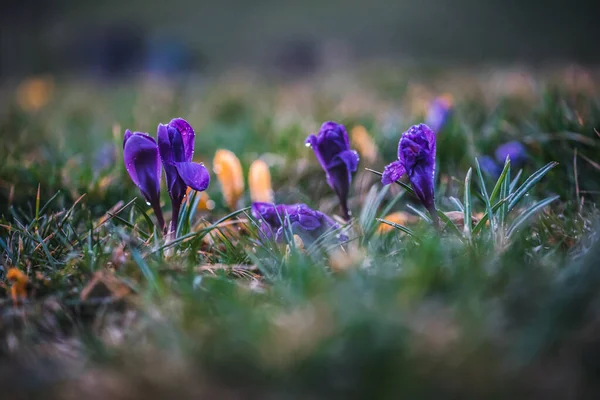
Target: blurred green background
(114, 37)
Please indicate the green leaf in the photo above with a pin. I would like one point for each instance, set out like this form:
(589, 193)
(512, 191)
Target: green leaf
(457, 203)
(529, 183)
(398, 226)
(485, 217)
(468, 204)
(515, 181)
(449, 222)
(146, 271)
(529, 212)
(486, 198)
(419, 213)
(498, 185)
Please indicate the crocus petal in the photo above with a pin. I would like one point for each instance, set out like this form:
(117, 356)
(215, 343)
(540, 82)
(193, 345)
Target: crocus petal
(439, 111)
(194, 175)
(393, 172)
(259, 182)
(128, 134)
(348, 158)
(489, 166)
(164, 145)
(143, 165)
(229, 173)
(187, 135)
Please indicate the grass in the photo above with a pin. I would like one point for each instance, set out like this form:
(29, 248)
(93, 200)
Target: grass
(504, 307)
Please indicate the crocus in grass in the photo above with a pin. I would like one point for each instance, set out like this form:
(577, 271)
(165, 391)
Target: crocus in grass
(229, 173)
(332, 149)
(259, 182)
(489, 166)
(142, 162)
(416, 158)
(303, 221)
(176, 148)
(515, 150)
(439, 112)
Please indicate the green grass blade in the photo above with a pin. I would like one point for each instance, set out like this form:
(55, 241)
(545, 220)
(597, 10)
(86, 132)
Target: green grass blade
(457, 203)
(486, 198)
(515, 181)
(202, 232)
(529, 183)
(399, 227)
(468, 204)
(530, 212)
(498, 185)
(449, 223)
(45, 206)
(484, 219)
(419, 213)
(146, 271)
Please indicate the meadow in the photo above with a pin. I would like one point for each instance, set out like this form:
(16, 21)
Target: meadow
(98, 302)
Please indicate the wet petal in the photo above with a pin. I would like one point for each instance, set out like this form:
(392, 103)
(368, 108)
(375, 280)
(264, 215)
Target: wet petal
(259, 182)
(228, 169)
(187, 135)
(194, 175)
(393, 172)
(164, 145)
(143, 165)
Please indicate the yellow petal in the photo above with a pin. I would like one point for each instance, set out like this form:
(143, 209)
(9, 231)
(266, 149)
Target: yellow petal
(259, 182)
(18, 290)
(228, 169)
(364, 143)
(399, 217)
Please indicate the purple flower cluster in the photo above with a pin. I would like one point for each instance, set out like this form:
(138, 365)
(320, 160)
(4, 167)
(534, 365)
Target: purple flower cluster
(175, 148)
(300, 219)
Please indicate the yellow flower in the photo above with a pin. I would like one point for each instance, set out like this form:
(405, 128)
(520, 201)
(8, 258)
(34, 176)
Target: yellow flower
(399, 217)
(259, 182)
(18, 289)
(228, 169)
(364, 143)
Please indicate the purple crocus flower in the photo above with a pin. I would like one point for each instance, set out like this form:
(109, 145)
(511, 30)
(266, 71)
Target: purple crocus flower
(489, 166)
(439, 112)
(142, 162)
(416, 158)
(332, 149)
(515, 150)
(176, 148)
(303, 221)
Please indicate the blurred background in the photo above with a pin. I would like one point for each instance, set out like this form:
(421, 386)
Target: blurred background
(113, 38)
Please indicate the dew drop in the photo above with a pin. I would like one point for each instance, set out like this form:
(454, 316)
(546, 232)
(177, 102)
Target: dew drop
(148, 203)
(307, 144)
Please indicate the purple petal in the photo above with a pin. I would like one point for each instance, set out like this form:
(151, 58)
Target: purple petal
(128, 134)
(187, 136)
(194, 175)
(143, 165)
(164, 145)
(393, 172)
(349, 158)
(515, 150)
(308, 219)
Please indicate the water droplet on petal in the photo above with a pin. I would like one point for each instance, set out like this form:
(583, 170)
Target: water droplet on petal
(307, 144)
(148, 203)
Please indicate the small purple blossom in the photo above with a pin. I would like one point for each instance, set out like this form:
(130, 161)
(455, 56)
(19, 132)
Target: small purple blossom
(515, 150)
(176, 148)
(142, 162)
(332, 149)
(439, 112)
(489, 166)
(303, 221)
(416, 158)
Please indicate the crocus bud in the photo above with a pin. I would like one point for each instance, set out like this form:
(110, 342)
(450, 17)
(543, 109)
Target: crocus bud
(332, 149)
(229, 173)
(416, 158)
(259, 182)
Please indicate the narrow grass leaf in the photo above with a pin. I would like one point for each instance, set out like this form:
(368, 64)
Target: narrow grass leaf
(486, 198)
(529, 183)
(468, 204)
(399, 227)
(530, 212)
(498, 185)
